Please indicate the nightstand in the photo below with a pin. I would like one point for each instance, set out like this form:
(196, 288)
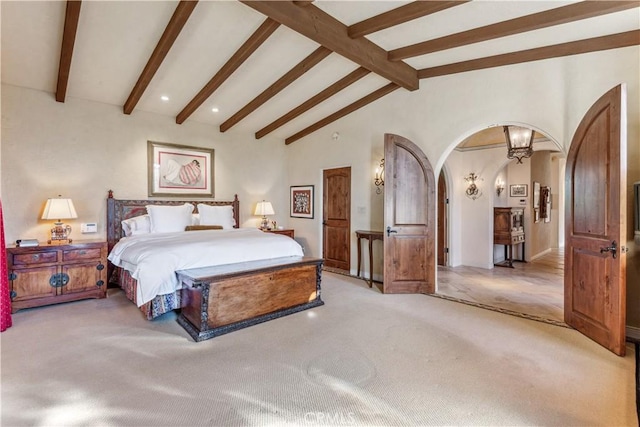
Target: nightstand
(287, 232)
(50, 274)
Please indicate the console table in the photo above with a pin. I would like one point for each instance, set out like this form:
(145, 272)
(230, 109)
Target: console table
(370, 236)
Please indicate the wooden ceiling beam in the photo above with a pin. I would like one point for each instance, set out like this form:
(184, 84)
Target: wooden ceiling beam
(343, 112)
(548, 18)
(71, 19)
(171, 32)
(348, 80)
(324, 29)
(246, 50)
(400, 15)
(614, 41)
(302, 67)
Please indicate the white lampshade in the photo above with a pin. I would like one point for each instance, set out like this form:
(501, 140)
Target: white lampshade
(59, 209)
(264, 208)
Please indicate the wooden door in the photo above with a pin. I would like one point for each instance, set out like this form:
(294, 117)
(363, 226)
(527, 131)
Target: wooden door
(409, 223)
(595, 182)
(443, 204)
(336, 218)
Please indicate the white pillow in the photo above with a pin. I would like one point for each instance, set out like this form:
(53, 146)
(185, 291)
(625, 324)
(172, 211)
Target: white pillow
(167, 219)
(136, 225)
(216, 215)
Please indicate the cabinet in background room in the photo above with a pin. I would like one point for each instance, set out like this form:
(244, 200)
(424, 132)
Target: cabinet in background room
(50, 274)
(508, 230)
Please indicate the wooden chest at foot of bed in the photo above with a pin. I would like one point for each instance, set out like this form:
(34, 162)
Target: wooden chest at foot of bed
(221, 299)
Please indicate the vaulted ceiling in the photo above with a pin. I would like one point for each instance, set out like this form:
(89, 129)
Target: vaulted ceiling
(284, 68)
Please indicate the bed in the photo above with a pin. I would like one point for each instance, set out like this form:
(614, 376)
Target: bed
(240, 255)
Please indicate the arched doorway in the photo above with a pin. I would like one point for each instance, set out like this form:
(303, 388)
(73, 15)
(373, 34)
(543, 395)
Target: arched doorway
(532, 289)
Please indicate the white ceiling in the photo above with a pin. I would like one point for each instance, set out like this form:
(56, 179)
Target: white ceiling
(116, 38)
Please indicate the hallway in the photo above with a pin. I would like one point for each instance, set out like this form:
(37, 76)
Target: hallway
(534, 289)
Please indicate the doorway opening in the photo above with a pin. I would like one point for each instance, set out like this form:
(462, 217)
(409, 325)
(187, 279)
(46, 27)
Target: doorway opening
(533, 286)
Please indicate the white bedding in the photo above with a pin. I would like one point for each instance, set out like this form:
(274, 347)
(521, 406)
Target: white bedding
(152, 259)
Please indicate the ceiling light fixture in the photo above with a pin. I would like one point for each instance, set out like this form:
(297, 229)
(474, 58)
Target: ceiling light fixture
(165, 98)
(215, 109)
(519, 142)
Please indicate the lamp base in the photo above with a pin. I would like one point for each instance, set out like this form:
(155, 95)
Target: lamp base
(60, 234)
(264, 224)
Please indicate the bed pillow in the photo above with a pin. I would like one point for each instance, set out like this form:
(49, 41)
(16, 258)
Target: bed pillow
(216, 215)
(137, 225)
(167, 219)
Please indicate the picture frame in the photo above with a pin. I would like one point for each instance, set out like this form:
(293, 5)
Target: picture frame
(536, 194)
(301, 201)
(179, 170)
(518, 190)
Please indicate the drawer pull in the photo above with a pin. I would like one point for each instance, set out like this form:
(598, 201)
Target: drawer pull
(13, 276)
(13, 294)
(99, 283)
(35, 257)
(100, 267)
(82, 252)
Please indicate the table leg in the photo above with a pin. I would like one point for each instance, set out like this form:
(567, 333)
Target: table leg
(370, 262)
(359, 255)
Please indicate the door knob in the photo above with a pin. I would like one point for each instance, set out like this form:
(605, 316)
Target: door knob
(389, 231)
(613, 249)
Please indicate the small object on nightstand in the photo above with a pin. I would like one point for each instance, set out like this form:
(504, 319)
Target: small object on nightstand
(26, 242)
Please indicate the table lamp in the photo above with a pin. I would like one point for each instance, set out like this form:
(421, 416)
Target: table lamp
(58, 209)
(264, 208)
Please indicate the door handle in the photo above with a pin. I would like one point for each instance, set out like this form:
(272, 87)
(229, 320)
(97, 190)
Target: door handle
(389, 231)
(613, 249)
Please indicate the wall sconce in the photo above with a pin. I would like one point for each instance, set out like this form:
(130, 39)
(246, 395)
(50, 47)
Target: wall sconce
(472, 191)
(519, 142)
(58, 209)
(379, 180)
(499, 187)
(264, 208)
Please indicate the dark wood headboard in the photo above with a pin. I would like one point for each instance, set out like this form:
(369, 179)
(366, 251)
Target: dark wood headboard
(119, 210)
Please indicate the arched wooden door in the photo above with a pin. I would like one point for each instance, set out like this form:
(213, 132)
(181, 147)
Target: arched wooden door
(595, 225)
(409, 218)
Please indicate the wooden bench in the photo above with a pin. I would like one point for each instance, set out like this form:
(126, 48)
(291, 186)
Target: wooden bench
(221, 299)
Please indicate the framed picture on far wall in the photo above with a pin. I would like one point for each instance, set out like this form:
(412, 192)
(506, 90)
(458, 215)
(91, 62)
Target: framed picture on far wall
(301, 201)
(179, 170)
(518, 190)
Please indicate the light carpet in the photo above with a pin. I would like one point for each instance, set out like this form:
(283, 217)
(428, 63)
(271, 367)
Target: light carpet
(363, 358)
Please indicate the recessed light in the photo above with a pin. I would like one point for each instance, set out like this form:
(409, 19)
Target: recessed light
(164, 98)
(215, 109)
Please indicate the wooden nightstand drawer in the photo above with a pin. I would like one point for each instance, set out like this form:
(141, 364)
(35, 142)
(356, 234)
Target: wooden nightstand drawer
(34, 258)
(76, 254)
(286, 232)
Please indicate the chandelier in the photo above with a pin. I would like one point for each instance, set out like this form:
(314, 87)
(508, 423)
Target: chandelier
(519, 142)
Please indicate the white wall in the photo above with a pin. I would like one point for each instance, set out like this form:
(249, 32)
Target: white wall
(81, 149)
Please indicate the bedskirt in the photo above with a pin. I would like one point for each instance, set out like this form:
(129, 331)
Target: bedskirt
(158, 306)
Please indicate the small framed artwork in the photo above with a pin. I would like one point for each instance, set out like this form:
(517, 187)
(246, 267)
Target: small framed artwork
(302, 201)
(179, 170)
(518, 190)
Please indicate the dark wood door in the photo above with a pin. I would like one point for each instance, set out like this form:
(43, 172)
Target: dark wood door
(595, 272)
(443, 202)
(336, 218)
(409, 223)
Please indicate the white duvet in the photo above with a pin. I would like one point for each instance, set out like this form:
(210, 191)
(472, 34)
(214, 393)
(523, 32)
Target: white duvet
(152, 259)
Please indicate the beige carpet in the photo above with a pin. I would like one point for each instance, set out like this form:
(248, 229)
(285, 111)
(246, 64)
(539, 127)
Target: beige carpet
(363, 358)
